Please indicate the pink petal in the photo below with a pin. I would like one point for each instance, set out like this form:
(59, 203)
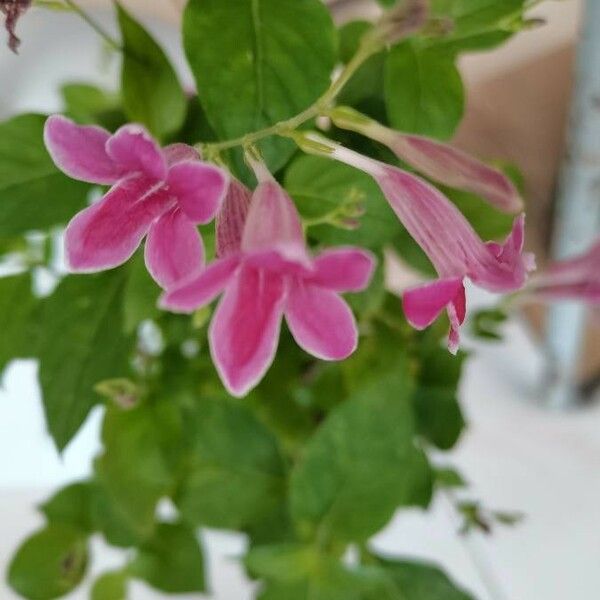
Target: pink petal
(135, 151)
(175, 153)
(174, 248)
(457, 169)
(457, 311)
(321, 322)
(232, 218)
(245, 329)
(344, 269)
(423, 304)
(80, 151)
(199, 189)
(273, 224)
(107, 233)
(201, 289)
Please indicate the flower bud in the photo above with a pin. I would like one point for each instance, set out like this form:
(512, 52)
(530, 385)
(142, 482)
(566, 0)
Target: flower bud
(13, 9)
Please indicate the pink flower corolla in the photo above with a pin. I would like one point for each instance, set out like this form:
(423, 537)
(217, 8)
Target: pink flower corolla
(576, 278)
(162, 193)
(453, 247)
(266, 272)
(441, 162)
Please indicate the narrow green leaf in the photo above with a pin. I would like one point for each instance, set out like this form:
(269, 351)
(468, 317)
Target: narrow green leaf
(171, 560)
(110, 586)
(363, 455)
(17, 319)
(151, 91)
(423, 90)
(266, 61)
(49, 564)
(34, 194)
(236, 472)
(82, 343)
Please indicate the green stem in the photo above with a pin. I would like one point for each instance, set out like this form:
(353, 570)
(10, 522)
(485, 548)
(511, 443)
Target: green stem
(112, 42)
(365, 51)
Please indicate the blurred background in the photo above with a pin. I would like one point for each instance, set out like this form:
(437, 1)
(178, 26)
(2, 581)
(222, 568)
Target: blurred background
(519, 453)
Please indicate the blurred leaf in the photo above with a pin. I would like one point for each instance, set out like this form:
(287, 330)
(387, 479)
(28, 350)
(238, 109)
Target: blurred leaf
(320, 186)
(81, 344)
(138, 465)
(424, 91)
(282, 562)
(34, 194)
(88, 104)
(71, 506)
(235, 473)
(151, 91)
(49, 564)
(171, 561)
(487, 324)
(140, 296)
(278, 55)
(448, 478)
(110, 586)
(17, 319)
(439, 417)
(361, 456)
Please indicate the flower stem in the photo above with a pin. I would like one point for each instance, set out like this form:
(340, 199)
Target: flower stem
(365, 51)
(111, 41)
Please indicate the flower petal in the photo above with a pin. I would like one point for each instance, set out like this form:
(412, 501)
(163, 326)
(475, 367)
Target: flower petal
(199, 189)
(273, 224)
(202, 288)
(231, 218)
(176, 153)
(457, 169)
(174, 249)
(107, 233)
(457, 311)
(344, 269)
(245, 329)
(80, 151)
(321, 322)
(424, 304)
(135, 151)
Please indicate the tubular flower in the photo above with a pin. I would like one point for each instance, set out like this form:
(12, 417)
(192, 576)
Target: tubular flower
(265, 273)
(576, 278)
(161, 193)
(454, 248)
(440, 162)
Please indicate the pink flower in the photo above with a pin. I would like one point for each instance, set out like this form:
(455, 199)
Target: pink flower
(440, 162)
(576, 278)
(451, 244)
(265, 273)
(163, 194)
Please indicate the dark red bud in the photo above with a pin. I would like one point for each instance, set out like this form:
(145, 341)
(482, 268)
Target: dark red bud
(13, 9)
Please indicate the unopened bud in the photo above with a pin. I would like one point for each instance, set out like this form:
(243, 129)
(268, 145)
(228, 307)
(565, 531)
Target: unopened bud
(123, 392)
(403, 20)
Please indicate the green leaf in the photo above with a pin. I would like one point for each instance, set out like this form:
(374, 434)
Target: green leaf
(17, 310)
(82, 343)
(267, 60)
(110, 586)
(236, 472)
(71, 506)
(439, 417)
(49, 564)
(320, 187)
(361, 456)
(449, 478)
(34, 194)
(421, 581)
(474, 16)
(140, 296)
(151, 91)
(282, 562)
(171, 560)
(423, 90)
(138, 466)
(86, 103)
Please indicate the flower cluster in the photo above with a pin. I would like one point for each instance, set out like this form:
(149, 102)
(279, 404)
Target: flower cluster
(264, 270)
